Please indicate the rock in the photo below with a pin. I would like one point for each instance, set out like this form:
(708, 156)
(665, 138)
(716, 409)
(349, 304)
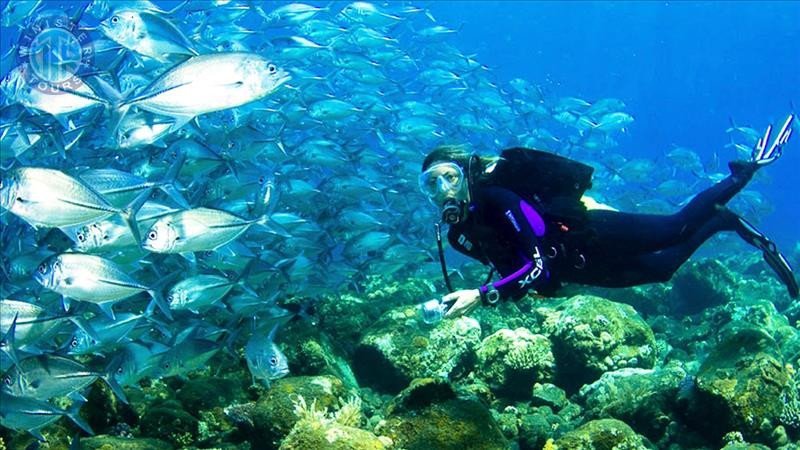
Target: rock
(206, 393)
(549, 395)
(270, 419)
(455, 424)
(117, 443)
(701, 284)
(400, 347)
(331, 436)
(741, 384)
(421, 393)
(170, 422)
(603, 434)
(345, 318)
(642, 398)
(537, 426)
(511, 361)
(592, 335)
(313, 353)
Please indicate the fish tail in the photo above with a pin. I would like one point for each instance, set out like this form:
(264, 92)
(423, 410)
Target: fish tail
(72, 414)
(167, 185)
(129, 213)
(115, 387)
(158, 300)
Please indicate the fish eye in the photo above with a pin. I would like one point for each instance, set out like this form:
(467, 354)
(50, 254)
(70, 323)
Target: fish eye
(119, 370)
(115, 19)
(262, 179)
(169, 298)
(152, 235)
(7, 380)
(273, 361)
(43, 268)
(81, 237)
(74, 342)
(271, 68)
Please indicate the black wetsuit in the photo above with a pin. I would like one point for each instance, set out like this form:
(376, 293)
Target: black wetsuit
(531, 250)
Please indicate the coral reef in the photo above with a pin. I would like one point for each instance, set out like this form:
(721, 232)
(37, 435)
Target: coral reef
(401, 347)
(511, 361)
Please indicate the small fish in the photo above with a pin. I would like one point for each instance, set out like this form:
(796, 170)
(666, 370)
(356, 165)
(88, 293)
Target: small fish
(63, 101)
(31, 321)
(201, 292)
(616, 121)
(50, 198)
(196, 230)
(209, 83)
(31, 415)
(190, 355)
(147, 34)
(47, 376)
(264, 359)
(93, 279)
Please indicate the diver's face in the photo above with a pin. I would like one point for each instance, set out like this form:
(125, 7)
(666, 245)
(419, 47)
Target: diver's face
(442, 182)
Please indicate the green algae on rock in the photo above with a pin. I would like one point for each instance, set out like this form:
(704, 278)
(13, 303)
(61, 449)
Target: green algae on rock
(592, 335)
(452, 425)
(602, 434)
(400, 347)
(119, 443)
(741, 384)
(511, 361)
(643, 398)
(270, 419)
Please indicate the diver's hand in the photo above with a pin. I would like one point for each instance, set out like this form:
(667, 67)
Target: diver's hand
(463, 301)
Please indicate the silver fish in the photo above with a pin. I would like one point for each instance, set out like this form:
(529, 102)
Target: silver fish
(264, 359)
(209, 83)
(47, 376)
(196, 230)
(50, 198)
(91, 279)
(147, 34)
(31, 415)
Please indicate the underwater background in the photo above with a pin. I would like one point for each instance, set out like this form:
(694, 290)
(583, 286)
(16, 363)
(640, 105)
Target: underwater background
(300, 328)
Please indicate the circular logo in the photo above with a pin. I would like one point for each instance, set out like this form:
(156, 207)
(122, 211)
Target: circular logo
(55, 50)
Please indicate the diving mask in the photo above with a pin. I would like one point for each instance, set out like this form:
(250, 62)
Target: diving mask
(443, 181)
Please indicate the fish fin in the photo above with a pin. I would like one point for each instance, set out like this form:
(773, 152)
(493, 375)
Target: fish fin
(159, 301)
(37, 434)
(107, 309)
(65, 302)
(273, 332)
(129, 214)
(77, 397)
(167, 186)
(72, 414)
(115, 387)
(189, 256)
(8, 343)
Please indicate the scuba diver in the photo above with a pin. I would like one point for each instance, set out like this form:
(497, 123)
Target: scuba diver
(524, 214)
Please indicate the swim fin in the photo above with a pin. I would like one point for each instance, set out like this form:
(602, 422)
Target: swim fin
(772, 256)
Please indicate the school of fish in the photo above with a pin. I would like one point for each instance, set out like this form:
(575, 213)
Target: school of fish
(213, 159)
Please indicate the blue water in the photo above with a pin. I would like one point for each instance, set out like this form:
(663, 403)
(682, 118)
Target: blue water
(683, 69)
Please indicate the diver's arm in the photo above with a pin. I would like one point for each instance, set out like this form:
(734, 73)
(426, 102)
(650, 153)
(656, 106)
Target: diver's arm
(517, 217)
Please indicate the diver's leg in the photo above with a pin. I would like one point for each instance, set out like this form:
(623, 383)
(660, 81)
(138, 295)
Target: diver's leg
(622, 268)
(659, 266)
(649, 232)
